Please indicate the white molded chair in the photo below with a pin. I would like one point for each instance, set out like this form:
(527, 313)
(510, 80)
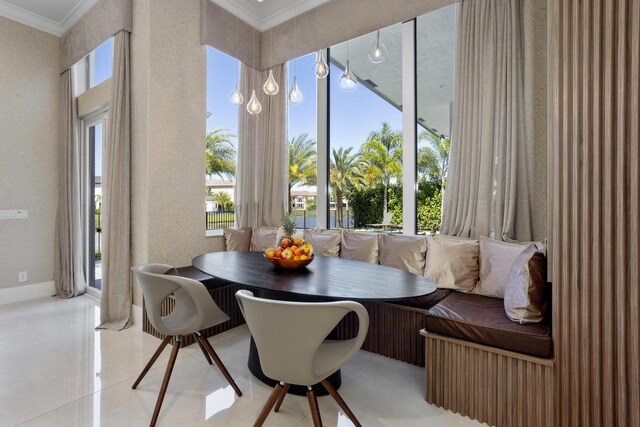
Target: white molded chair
(194, 311)
(290, 338)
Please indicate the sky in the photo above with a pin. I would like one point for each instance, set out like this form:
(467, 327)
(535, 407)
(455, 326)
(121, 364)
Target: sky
(353, 114)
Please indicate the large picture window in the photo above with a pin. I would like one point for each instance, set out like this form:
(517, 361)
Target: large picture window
(302, 138)
(220, 141)
(365, 134)
(435, 60)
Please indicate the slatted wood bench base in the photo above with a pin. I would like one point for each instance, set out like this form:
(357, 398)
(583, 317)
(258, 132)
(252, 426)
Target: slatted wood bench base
(495, 386)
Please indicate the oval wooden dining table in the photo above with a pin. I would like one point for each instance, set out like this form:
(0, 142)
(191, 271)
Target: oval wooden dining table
(325, 279)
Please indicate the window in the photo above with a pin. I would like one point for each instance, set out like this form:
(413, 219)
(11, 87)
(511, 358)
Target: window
(221, 140)
(93, 140)
(302, 141)
(365, 135)
(435, 47)
(94, 68)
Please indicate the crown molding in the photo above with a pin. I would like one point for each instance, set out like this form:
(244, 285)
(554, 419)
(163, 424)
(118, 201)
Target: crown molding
(31, 19)
(271, 21)
(76, 13)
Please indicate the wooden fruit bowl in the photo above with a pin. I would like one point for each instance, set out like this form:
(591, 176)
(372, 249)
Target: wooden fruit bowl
(290, 264)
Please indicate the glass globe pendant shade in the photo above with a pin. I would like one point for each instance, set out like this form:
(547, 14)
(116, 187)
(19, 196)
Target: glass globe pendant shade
(378, 52)
(236, 97)
(271, 87)
(348, 80)
(254, 106)
(295, 95)
(320, 67)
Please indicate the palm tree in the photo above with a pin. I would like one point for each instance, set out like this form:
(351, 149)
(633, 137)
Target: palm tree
(433, 160)
(220, 153)
(383, 154)
(221, 199)
(302, 163)
(345, 170)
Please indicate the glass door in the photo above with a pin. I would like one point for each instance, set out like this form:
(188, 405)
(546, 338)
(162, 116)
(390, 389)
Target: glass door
(94, 139)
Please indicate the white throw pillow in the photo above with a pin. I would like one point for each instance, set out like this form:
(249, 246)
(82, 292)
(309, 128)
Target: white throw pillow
(496, 262)
(524, 298)
(452, 263)
(359, 246)
(403, 252)
(324, 244)
(263, 238)
(237, 239)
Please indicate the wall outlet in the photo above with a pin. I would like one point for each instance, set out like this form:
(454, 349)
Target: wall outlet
(22, 276)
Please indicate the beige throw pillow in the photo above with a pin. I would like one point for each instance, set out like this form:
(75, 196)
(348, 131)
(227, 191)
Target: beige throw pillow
(403, 252)
(359, 246)
(237, 239)
(524, 298)
(324, 244)
(496, 261)
(452, 263)
(263, 238)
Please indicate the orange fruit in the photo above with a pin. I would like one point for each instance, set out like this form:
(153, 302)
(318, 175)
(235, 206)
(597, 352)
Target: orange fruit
(297, 241)
(296, 258)
(297, 252)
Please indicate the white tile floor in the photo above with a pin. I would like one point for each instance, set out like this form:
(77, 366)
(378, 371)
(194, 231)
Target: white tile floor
(56, 370)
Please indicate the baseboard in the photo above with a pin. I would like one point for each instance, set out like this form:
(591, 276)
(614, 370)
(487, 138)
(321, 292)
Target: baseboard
(27, 292)
(136, 314)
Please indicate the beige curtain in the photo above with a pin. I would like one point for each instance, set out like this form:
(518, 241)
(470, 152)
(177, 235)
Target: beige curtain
(116, 299)
(69, 273)
(487, 189)
(262, 172)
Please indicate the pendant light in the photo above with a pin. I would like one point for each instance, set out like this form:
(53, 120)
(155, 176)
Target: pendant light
(348, 81)
(236, 97)
(295, 94)
(254, 106)
(378, 51)
(271, 87)
(320, 68)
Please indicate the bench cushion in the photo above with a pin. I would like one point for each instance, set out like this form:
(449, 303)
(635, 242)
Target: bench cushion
(483, 320)
(209, 282)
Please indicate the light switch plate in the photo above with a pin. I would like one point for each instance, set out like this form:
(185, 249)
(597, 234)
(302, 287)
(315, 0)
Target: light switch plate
(14, 214)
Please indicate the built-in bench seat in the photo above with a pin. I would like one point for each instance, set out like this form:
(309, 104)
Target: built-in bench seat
(482, 320)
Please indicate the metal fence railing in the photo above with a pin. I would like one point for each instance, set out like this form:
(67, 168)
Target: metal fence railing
(307, 218)
(219, 219)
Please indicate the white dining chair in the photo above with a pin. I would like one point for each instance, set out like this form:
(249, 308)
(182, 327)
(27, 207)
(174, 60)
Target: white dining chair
(291, 341)
(193, 312)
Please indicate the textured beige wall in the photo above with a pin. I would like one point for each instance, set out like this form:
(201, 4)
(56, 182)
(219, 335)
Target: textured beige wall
(535, 41)
(29, 90)
(168, 106)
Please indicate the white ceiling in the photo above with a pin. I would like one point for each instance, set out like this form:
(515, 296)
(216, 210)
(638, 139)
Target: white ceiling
(52, 16)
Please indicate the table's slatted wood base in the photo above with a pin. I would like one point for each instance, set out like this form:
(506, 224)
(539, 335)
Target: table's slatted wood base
(498, 387)
(394, 331)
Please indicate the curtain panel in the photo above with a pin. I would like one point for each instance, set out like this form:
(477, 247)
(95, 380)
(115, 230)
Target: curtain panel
(262, 173)
(487, 190)
(115, 305)
(69, 274)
